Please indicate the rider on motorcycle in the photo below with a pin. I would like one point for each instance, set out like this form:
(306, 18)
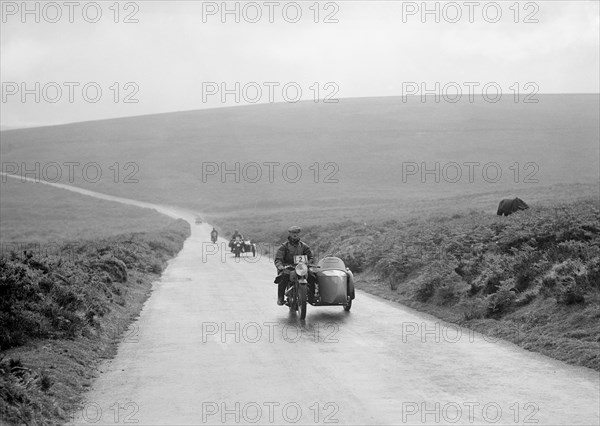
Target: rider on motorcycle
(236, 235)
(285, 256)
(214, 235)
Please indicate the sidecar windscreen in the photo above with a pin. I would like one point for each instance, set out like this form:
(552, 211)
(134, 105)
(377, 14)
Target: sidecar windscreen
(329, 263)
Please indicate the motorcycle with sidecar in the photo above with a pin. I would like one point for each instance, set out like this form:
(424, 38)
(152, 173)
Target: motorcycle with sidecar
(334, 284)
(239, 246)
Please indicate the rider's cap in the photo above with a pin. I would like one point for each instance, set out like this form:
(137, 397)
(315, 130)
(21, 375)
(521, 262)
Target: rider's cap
(294, 229)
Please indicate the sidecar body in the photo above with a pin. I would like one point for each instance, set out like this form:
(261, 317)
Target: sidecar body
(335, 283)
(249, 246)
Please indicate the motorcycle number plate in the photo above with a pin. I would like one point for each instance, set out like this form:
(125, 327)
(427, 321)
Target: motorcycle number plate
(301, 258)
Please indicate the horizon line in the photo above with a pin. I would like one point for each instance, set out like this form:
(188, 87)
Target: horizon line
(11, 127)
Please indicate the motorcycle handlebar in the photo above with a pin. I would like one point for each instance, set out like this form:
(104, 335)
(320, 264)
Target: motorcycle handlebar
(293, 267)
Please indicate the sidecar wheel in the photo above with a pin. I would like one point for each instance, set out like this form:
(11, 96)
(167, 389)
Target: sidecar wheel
(348, 305)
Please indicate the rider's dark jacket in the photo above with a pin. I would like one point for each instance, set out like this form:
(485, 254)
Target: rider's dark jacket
(287, 251)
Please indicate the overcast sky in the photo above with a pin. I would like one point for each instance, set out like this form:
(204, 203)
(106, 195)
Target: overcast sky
(177, 54)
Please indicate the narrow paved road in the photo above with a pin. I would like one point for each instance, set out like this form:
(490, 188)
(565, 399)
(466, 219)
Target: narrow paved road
(212, 347)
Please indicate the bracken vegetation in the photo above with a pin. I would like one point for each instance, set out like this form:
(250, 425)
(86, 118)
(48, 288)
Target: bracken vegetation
(62, 311)
(532, 278)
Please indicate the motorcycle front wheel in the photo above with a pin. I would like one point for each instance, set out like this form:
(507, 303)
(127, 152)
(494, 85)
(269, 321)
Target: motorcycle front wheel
(302, 294)
(293, 300)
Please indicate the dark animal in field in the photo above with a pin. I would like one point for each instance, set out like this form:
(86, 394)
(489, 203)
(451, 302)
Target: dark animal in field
(509, 206)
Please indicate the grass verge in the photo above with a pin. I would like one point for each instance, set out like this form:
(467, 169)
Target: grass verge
(61, 315)
(532, 278)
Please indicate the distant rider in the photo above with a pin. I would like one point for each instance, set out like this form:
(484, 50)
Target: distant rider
(214, 235)
(285, 256)
(236, 235)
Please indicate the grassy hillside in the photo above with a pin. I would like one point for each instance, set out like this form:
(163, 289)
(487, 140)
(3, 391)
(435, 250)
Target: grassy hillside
(34, 212)
(60, 316)
(366, 140)
(269, 227)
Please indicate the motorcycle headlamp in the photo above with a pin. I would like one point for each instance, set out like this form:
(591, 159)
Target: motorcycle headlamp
(301, 269)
